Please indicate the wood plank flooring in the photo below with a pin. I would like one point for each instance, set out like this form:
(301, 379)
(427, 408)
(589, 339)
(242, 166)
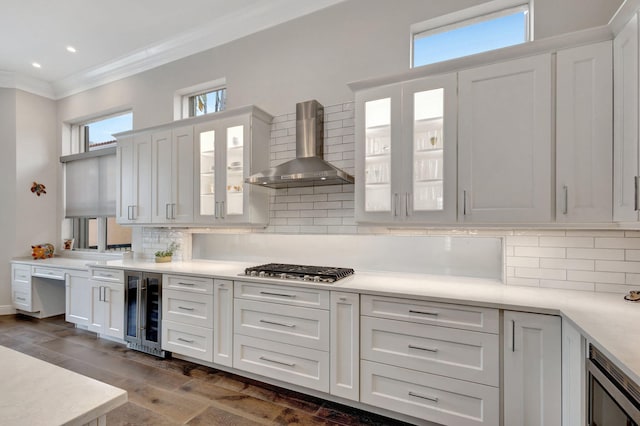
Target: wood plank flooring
(172, 392)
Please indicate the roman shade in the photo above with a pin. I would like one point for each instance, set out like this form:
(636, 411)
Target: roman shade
(90, 184)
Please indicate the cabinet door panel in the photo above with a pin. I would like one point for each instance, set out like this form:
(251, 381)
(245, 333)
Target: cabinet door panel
(141, 206)
(505, 141)
(114, 310)
(223, 323)
(625, 122)
(584, 134)
(161, 181)
(182, 175)
(78, 299)
(345, 345)
(532, 369)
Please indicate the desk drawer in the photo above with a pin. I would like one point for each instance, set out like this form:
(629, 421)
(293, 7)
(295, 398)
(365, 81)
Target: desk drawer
(21, 273)
(429, 397)
(287, 324)
(189, 340)
(461, 354)
(45, 272)
(297, 296)
(106, 274)
(186, 283)
(434, 313)
(292, 364)
(188, 308)
(21, 296)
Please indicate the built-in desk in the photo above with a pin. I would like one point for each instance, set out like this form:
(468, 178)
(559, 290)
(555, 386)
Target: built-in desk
(35, 393)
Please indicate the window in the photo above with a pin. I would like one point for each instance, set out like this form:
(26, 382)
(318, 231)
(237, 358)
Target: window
(486, 27)
(207, 102)
(99, 133)
(90, 185)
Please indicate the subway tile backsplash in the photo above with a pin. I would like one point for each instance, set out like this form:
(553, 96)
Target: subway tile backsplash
(577, 259)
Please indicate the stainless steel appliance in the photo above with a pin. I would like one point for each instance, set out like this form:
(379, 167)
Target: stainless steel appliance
(308, 168)
(613, 398)
(143, 312)
(318, 274)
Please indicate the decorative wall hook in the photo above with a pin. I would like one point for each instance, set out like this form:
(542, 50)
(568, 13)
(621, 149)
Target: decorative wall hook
(38, 188)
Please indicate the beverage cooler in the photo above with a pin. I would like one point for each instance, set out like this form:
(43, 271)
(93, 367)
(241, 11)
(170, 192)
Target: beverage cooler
(143, 312)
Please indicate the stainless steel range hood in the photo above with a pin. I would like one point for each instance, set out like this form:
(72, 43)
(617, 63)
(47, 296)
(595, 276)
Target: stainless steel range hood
(308, 168)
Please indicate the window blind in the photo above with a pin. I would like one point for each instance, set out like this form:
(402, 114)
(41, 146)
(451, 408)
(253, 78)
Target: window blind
(90, 186)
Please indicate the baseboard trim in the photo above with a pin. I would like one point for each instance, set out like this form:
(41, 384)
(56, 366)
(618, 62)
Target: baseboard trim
(7, 310)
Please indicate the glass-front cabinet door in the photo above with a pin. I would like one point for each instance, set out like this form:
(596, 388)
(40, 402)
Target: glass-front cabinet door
(230, 149)
(406, 152)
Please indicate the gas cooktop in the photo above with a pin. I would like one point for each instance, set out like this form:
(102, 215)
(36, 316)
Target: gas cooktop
(318, 274)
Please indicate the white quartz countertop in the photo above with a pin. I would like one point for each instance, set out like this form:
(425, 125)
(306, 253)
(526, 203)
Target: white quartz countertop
(57, 262)
(36, 393)
(605, 319)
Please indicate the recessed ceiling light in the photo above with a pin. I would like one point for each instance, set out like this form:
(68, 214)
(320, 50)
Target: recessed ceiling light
(36, 65)
(71, 49)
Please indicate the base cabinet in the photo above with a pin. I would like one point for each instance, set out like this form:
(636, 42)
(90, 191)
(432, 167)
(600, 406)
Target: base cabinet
(532, 369)
(345, 345)
(77, 295)
(107, 302)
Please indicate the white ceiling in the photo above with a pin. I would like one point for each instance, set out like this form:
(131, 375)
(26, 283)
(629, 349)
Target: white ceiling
(117, 38)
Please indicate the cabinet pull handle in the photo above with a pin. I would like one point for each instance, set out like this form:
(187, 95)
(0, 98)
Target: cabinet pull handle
(464, 202)
(267, 293)
(173, 211)
(185, 340)
(100, 293)
(104, 295)
(215, 210)
(189, 284)
(277, 323)
(129, 213)
(395, 204)
(406, 204)
(166, 211)
(411, 311)
(513, 335)
(21, 298)
(423, 349)
(428, 398)
(222, 209)
(565, 207)
(288, 364)
(184, 308)
(636, 202)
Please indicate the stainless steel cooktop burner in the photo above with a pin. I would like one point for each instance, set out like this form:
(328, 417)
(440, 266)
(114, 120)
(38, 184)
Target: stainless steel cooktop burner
(322, 274)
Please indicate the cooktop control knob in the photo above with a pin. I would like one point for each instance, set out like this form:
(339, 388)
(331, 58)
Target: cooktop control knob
(261, 274)
(283, 276)
(316, 279)
(254, 273)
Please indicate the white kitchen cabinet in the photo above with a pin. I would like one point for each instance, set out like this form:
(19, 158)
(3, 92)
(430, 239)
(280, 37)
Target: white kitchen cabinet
(574, 356)
(223, 322)
(406, 152)
(133, 194)
(532, 369)
(77, 297)
(584, 134)
(107, 302)
(625, 124)
(504, 142)
(228, 150)
(172, 175)
(345, 345)
(21, 287)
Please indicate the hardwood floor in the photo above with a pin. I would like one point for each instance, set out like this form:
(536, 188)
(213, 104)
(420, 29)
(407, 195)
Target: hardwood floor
(172, 392)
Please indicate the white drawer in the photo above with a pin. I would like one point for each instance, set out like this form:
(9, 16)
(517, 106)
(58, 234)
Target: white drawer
(21, 296)
(186, 283)
(188, 308)
(106, 274)
(287, 324)
(292, 364)
(189, 340)
(309, 297)
(461, 354)
(45, 272)
(21, 273)
(429, 397)
(442, 314)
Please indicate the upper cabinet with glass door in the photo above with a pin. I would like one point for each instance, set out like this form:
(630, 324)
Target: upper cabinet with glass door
(229, 150)
(406, 152)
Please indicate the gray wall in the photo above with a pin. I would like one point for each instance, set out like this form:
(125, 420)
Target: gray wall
(7, 190)
(314, 56)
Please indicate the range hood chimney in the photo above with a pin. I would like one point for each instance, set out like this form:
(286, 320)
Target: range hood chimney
(308, 168)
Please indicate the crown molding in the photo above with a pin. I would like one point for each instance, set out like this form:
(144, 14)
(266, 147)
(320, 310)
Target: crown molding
(230, 27)
(11, 80)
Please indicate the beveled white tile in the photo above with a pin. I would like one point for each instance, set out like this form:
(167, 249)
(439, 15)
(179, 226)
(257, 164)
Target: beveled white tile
(568, 285)
(616, 266)
(605, 254)
(597, 277)
(549, 274)
(522, 240)
(575, 264)
(581, 242)
(526, 262)
(621, 243)
(540, 252)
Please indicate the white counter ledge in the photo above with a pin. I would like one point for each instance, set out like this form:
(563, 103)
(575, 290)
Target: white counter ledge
(34, 392)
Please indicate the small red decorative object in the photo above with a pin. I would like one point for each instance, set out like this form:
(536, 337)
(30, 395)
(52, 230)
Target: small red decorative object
(38, 188)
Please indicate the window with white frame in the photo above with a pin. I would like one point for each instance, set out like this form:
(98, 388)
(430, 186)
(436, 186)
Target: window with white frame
(206, 102)
(90, 184)
(492, 25)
